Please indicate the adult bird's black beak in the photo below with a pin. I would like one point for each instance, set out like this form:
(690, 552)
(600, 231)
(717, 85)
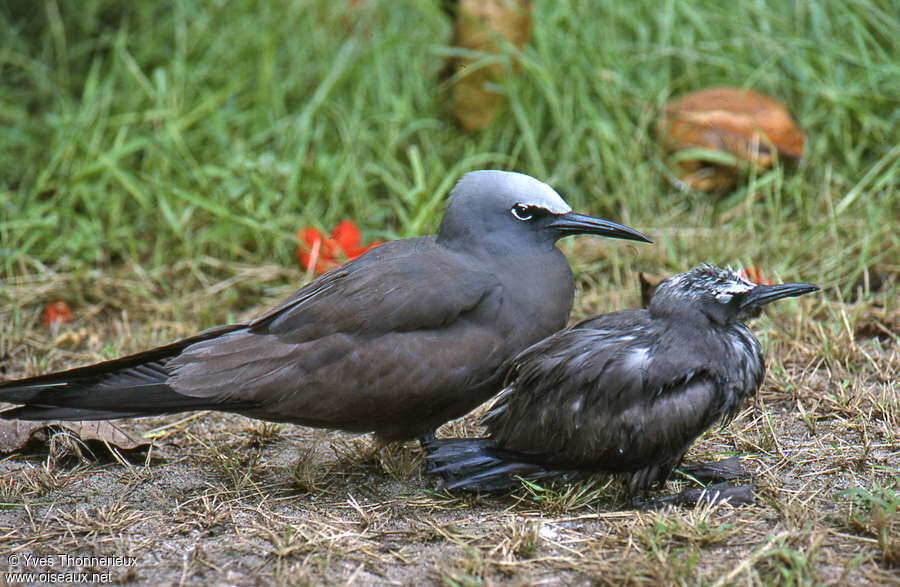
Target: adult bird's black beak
(763, 294)
(575, 223)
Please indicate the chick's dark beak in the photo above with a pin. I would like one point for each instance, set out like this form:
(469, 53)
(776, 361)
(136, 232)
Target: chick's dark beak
(574, 223)
(763, 294)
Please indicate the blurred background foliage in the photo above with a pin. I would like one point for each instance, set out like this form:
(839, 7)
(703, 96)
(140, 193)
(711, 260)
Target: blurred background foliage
(148, 131)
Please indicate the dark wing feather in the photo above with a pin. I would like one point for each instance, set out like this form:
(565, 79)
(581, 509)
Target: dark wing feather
(559, 385)
(596, 395)
(357, 348)
(411, 286)
(362, 346)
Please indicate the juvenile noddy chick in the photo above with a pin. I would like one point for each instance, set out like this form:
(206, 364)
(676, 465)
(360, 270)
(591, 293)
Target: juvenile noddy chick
(398, 341)
(626, 392)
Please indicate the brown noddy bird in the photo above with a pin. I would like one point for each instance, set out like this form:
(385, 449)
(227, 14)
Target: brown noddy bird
(626, 392)
(398, 341)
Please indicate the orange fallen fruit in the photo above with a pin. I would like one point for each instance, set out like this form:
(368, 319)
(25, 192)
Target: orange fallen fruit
(711, 133)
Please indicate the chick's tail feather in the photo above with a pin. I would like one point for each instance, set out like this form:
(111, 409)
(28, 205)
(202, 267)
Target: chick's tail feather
(476, 464)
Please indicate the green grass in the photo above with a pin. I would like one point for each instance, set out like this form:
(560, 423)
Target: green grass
(148, 131)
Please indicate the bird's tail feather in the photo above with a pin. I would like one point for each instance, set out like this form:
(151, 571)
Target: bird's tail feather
(476, 464)
(78, 402)
(135, 385)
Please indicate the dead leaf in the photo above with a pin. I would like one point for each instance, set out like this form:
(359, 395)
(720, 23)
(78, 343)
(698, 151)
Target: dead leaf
(478, 26)
(15, 434)
(648, 286)
(742, 124)
(871, 281)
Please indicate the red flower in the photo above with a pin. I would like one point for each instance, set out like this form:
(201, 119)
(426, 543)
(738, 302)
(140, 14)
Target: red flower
(753, 274)
(324, 254)
(57, 312)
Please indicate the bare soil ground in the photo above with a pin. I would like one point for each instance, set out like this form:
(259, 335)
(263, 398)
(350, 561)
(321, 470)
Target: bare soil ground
(221, 499)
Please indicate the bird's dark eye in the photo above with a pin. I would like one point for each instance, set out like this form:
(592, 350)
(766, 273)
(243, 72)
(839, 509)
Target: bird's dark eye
(522, 212)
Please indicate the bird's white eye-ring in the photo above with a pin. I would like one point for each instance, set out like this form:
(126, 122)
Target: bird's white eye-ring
(522, 212)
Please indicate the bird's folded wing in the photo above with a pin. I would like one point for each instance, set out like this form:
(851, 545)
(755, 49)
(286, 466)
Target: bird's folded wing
(597, 395)
(363, 329)
(380, 292)
(393, 332)
(558, 382)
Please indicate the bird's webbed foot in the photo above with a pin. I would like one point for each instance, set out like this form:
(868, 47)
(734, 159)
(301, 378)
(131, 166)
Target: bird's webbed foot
(718, 493)
(424, 440)
(724, 470)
